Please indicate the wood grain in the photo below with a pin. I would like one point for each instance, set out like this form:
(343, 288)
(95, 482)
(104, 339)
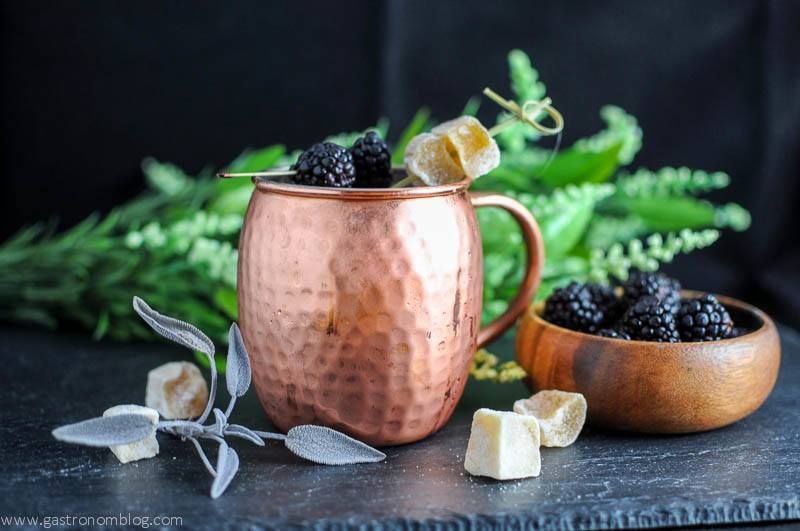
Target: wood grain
(654, 387)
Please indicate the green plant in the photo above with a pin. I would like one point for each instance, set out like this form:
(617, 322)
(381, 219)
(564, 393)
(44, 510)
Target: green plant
(175, 245)
(598, 219)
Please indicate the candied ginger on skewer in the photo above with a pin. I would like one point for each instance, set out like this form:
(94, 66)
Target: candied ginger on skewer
(474, 148)
(464, 148)
(428, 159)
(452, 151)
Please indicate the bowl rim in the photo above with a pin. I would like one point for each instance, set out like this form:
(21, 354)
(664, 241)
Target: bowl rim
(766, 323)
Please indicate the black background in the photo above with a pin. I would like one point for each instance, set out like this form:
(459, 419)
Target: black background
(90, 88)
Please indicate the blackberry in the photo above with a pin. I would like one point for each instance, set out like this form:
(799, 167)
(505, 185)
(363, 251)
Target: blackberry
(373, 161)
(572, 307)
(607, 301)
(614, 333)
(641, 284)
(704, 319)
(650, 319)
(325, 164)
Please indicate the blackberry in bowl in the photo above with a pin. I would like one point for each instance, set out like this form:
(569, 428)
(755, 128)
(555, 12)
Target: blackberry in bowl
(704, 319)
(572, 307)
(634, 382)
(641, 284)
(650, 319)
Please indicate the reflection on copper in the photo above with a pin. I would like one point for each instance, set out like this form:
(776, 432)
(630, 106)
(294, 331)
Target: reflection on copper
(361, 308)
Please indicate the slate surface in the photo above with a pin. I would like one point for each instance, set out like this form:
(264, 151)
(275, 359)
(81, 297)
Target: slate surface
(748, 472)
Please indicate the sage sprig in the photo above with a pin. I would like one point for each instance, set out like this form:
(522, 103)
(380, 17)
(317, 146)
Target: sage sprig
(329, 447)
(106, 431)
(317, 444)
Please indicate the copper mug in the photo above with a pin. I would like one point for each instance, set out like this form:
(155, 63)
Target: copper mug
(361, 308)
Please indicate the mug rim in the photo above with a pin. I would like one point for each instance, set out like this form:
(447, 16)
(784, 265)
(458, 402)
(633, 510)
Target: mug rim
(300, 190)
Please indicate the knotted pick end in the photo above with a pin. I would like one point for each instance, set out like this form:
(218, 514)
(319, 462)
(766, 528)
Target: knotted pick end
(528, 113)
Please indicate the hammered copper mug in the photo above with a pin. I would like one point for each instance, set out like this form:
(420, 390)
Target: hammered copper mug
(361, 308)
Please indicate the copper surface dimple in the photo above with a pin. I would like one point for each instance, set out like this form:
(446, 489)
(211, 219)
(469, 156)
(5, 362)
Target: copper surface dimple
(369, 325)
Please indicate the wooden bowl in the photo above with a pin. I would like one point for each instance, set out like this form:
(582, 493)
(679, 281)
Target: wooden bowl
(650, 387)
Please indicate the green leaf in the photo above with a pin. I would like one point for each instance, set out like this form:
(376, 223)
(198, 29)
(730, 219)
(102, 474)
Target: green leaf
(620, 127)
(525, 86)
(732, 215)
(577, 166)
(102, 325)
(472, 106)
(605, 231)
(571, 266)
(517, 172)
(256, 159)
(414, 127)
(564, 215)
(233, 195)
(497, 267)
(647, 255)
(499, 231)
(220, 361)
(666, 214)
(562, 231)
(525, 83)
(166, 178)
(225, 299)
(492, 310)
(670, 182)
(515, 138)
(503, 178)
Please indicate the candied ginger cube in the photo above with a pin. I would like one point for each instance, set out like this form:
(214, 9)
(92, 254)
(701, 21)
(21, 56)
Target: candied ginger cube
(177, 390)
(503, 445)
(561, 415)
(470, 144)
(143, 449)
(427, 157)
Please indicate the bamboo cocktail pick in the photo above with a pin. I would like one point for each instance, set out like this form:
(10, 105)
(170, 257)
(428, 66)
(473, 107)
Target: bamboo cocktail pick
(528, 113)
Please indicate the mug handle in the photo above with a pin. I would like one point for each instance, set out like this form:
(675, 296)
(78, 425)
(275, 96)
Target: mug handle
(535, 260)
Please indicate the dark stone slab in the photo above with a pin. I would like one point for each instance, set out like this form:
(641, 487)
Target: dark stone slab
(745, 473)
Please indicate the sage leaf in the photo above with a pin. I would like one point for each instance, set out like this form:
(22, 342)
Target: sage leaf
(221, 421)
(173, 329)
(107, 431)
(272, 436)
(329, 447)
(235, 430)
(227, 466)
(237, 376)
(188, 429)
